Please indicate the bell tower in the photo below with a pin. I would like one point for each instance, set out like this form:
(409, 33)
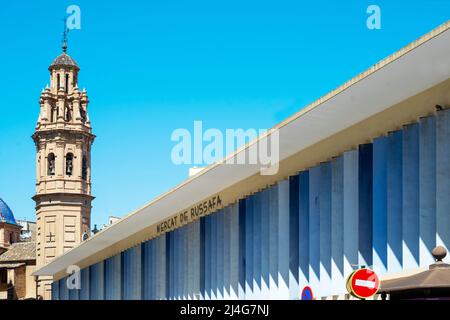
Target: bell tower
(63, 140)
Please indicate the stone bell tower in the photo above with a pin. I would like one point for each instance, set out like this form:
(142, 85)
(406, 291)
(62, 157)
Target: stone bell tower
(63, 139)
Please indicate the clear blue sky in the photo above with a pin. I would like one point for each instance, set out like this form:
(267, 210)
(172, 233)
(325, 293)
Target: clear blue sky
(154, 66)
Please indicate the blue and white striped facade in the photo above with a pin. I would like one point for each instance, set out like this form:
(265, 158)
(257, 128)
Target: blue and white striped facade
(384, 204)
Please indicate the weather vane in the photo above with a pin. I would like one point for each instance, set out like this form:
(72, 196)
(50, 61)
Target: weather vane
(66, 31)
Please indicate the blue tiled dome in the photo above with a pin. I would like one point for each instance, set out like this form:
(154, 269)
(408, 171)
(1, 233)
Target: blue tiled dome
(6, 214)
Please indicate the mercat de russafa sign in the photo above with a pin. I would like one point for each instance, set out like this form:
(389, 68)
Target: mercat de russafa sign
(204, 208)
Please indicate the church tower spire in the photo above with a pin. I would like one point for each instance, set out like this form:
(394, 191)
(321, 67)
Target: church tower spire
(63, 140)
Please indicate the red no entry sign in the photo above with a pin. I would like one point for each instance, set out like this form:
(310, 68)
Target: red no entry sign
(363, 283)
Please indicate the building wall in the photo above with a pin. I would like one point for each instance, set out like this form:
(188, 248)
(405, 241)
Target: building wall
(20, 282)
(5, 231)
(382, 204)
(30, 291)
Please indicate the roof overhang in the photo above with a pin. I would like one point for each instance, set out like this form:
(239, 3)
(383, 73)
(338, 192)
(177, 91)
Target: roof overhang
(11, 265)
(417, 67)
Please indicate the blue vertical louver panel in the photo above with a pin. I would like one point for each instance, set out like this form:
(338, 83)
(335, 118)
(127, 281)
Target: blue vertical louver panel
(55, 290)
(226, 252)
(220, 249)
(157, 265)
(170, 256)
(167, 261)
(63, 290)
(208, 288)
(194, 280)
(182, 263)
(379, 251)
(162, 267)
(178, 262)
(74, 294)
(314, 229)
(151, 281)
(196, 264)
(172, 267)
(283, 240)
(273, 241)
(394, 201)
(249, 248)
(137, 262)
(242, 249)
(126, 275)
(235, 254)
(189, 260)
(157, 281)
(410, 201)
(175, 264)
(351, 211)
(214, 257)
(132, 274)
(152, 261)
(427, 189)
(337, 226)
(158, 275)
(303, 229)
(96, 281)
(325, 228)
(265, 258)
(148, 270)
(172, 274)
(203, 267)
(84, 291)
(365, 201)
(443, 178)
(294, 290)
(186, 260)
(257, 246)
(113, 278)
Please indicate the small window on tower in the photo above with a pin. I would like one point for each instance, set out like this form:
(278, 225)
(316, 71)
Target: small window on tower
(83, 114)
(84, 168)
(69, 164)
(58, 81)
(68, 114)
(67, 83)
(51, 164)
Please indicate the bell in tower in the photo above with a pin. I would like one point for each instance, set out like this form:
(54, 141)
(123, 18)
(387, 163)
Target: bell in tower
(63, 140)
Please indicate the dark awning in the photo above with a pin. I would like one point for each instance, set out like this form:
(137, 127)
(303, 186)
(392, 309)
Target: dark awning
(438, 276)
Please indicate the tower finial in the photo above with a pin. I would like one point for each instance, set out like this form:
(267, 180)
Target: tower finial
(64, 46)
